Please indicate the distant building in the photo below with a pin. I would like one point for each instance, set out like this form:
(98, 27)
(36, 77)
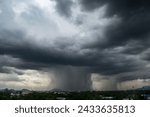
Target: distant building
(14, 93)
(25, 92)
(61, 98)
(146, 96)
(108, 98)
(126, 99)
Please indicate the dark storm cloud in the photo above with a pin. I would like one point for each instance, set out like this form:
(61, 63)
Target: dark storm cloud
(14, 51)
(64, 7)
(34, 57)
(92, 5)
(132, 32)
(13, 70)
(12, 43)
(134, 23)
(130, 35)
(146, 56)
(117, 7)
(135, 48)
(122, 49)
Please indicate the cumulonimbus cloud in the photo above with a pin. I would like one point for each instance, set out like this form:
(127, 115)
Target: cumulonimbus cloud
(95, 36)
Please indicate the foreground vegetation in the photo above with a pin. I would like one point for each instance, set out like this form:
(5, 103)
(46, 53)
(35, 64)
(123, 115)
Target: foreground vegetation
(87, 95)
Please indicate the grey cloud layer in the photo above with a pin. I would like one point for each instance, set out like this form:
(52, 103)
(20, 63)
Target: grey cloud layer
(64, 7)
(122, 49)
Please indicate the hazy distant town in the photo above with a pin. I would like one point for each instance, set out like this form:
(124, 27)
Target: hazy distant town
(56, 94)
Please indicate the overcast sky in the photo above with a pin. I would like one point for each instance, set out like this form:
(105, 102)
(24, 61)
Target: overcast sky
(74, 44)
